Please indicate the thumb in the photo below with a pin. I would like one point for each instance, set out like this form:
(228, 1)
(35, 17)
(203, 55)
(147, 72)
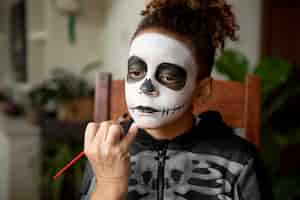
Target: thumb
(129, 138)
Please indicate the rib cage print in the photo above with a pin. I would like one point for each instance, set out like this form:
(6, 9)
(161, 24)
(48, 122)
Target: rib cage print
(188, 176)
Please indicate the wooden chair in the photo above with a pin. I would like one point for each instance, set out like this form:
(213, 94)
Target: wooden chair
(238, 103)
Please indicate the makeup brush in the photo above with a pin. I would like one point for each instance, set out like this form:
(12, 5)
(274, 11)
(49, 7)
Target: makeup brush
(67, 166)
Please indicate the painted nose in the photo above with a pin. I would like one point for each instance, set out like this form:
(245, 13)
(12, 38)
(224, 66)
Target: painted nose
(148, 88)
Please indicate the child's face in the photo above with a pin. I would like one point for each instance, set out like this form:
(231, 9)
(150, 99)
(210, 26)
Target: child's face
(161, 79)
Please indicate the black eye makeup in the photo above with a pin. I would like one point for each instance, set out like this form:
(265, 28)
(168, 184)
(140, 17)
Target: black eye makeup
(171, 75)
(137, 69)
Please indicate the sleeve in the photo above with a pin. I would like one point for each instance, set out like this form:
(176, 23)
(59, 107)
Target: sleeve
(87, 182)
(253, 182)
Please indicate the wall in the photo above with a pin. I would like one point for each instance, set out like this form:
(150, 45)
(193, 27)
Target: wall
(59, 52)
(4, 166)
(36, 40)
(121, 22)
(249, 15)
(4, 40)
(104, 29)
(4, 68)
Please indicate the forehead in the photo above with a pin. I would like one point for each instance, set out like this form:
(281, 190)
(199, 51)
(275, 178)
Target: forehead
(156, 48)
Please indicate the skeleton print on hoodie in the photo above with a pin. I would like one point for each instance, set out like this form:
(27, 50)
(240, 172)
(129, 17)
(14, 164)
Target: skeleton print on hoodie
(209, 162)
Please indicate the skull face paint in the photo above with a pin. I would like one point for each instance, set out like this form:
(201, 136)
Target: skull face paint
(160, 81)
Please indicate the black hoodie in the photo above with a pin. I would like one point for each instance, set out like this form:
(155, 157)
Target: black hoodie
(208, 162)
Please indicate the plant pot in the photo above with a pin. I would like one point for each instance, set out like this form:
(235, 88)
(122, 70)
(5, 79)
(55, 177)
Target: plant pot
(33, 116)
(76, 110)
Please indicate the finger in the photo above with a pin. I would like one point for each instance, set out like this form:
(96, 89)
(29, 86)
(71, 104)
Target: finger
(90, 133)
(129, 138)
(122, 118)
(114, 135)
(102, 131)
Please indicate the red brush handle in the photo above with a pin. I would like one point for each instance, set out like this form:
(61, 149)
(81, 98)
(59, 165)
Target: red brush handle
(72, 162)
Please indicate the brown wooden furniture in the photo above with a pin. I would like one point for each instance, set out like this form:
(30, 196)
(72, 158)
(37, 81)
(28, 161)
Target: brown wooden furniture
(280, 29)
(238, 103)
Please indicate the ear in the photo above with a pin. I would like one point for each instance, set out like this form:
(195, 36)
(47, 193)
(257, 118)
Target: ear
(203, 89)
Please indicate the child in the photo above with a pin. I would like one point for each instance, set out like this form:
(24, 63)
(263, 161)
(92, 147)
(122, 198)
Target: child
(168, 153)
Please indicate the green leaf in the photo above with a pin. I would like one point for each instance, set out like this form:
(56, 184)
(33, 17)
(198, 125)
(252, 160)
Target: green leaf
(276, 102)
(287, 187)
(233, 64)
(291, 138)
(273, 72)
(270, 148)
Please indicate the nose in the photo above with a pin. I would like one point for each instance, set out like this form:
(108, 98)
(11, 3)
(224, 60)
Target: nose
(148, 88)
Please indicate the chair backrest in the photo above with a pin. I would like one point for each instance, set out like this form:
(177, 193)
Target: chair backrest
(238, 103)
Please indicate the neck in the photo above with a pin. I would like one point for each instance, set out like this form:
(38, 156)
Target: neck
(170, 131)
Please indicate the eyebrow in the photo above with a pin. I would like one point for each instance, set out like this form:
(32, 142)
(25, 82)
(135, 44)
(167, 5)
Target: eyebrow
(135, 59)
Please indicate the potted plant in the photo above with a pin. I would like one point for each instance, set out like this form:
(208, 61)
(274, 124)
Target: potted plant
(65, 95)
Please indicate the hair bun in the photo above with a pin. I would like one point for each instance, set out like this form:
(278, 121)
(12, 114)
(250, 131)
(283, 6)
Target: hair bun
(154, 5)
(216, 14)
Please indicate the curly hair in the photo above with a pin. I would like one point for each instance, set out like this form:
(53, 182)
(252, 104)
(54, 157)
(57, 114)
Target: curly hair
(205, 23)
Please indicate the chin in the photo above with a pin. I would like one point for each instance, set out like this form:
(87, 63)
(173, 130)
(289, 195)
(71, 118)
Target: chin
(146, 123)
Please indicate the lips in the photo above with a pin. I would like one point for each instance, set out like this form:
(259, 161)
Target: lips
(145, 109)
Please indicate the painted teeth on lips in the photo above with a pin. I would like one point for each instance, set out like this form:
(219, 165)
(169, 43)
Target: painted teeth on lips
(146, 109)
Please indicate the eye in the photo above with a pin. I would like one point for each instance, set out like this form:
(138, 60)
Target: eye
(136, 74)
(137, 69)
(167, 78)
(171, 75)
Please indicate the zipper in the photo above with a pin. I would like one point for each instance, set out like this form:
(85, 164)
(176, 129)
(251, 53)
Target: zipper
(160, 184)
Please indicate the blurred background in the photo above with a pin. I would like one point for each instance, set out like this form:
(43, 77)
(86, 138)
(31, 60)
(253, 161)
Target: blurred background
(50, 51)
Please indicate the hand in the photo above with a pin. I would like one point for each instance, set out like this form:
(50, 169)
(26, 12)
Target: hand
(107, 149)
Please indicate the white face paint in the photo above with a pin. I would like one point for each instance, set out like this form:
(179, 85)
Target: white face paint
(161, 80)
